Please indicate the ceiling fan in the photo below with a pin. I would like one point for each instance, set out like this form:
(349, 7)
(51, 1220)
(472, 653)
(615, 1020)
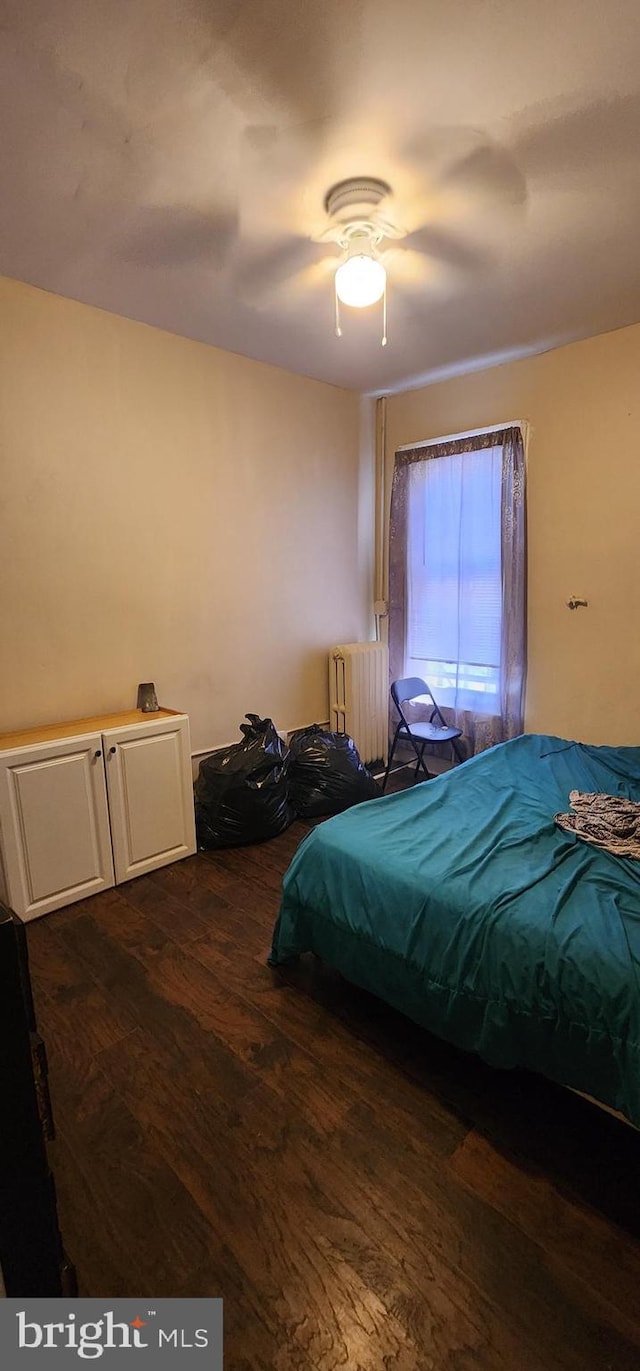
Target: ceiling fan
(434, 216)
(357, 226)
(358, 223)
(441, 223)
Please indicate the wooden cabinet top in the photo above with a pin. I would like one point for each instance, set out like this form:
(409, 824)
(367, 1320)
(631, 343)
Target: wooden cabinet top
(27, 737)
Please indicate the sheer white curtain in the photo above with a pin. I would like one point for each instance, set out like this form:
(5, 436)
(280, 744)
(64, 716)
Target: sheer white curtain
(454, 581)
(457, 583)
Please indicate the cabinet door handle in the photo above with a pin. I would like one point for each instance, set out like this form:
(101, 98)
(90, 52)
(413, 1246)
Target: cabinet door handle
(112, 750)
(98, 753)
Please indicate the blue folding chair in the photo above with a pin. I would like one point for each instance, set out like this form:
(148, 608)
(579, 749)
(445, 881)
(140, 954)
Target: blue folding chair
(419, 734)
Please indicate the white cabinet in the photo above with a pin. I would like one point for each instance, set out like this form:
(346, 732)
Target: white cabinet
(90, 804)
(150, 795)
(55, 824)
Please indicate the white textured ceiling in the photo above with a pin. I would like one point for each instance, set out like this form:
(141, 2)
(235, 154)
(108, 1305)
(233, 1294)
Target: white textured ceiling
(168, 160)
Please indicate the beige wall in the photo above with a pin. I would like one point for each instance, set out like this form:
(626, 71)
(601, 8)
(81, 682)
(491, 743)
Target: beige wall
(170, 512)
(583, 404)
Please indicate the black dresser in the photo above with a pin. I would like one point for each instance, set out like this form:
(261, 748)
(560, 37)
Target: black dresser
(32, 1258)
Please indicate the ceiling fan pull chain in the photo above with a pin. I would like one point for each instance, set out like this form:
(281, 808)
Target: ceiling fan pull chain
(384, 317)
(337, 304)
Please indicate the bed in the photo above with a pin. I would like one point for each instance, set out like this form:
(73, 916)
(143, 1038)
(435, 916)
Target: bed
(463, 905)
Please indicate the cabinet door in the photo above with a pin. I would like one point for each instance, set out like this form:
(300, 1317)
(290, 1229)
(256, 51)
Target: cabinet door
(150, 795)
(55, 824)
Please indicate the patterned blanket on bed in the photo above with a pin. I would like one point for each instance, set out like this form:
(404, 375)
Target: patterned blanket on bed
(608, 821)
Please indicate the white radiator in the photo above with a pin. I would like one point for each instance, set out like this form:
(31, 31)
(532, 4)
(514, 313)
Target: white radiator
(359, 697)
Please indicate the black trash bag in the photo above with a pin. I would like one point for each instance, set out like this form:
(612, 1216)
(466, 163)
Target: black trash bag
(242, 792)
(326, 773)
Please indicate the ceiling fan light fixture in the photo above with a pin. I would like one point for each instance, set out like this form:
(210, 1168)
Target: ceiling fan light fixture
(360, 281)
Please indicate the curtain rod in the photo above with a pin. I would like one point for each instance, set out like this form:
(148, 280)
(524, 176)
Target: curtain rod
(470, 433)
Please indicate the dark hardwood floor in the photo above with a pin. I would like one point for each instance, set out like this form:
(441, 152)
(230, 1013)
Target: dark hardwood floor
(361, 1194)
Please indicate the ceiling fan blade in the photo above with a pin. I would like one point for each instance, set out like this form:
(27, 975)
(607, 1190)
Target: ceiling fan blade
(305, 139)
(285, 172)
(416, 273)
(274, 173)
(488, 172)
(410, 268)
(434, 152)
(444, 246)
(458, 175)
(176, 236)
(293, 290)
(575, 141)
(260, 274)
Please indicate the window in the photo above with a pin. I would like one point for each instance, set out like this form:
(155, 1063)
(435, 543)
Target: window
(454, 577)
(458, 579)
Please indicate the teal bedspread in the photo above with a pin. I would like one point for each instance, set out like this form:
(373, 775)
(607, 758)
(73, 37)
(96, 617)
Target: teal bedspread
(462, 904)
